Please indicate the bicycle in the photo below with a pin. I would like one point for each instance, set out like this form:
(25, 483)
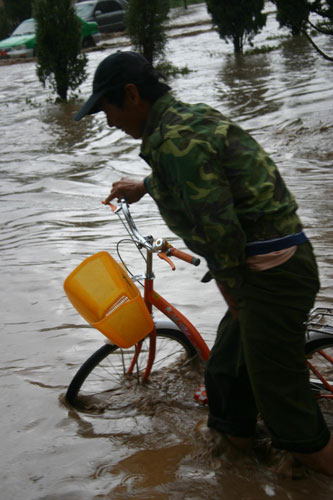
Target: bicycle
(174, 346)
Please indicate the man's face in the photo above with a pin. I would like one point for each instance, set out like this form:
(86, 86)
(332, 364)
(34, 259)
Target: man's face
(132, 117)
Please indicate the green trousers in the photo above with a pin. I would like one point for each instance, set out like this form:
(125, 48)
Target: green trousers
(258, 365)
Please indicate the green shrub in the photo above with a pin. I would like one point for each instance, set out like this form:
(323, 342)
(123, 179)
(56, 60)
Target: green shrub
(237, 20)
(58, 40)
(144, 23)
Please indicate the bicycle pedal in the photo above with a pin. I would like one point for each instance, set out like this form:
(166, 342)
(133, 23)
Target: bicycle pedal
(200, 395)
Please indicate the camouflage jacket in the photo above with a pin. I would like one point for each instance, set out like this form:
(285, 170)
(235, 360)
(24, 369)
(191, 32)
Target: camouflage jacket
(214, 185)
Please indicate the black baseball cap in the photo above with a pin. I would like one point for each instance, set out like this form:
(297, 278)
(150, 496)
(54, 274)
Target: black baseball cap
(115, 70)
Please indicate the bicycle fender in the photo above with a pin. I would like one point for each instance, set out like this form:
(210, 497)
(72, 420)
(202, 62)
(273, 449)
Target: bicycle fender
(312, 336)
(166, 324)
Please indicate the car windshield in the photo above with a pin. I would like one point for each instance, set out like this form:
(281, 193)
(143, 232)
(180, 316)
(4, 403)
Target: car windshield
(84, 9)
(25, 28)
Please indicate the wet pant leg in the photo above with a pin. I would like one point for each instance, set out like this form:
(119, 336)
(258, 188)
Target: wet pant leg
(232, 407)
(258, 362)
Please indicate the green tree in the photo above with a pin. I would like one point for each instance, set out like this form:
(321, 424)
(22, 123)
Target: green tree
(144, 23)
(17, 10)
(4, 24)
(237, 20)
(58, 41)
(292, 14)
(12, 13)
(296, 15)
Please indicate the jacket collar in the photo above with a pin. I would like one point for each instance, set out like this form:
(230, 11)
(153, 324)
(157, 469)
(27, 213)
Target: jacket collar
(152, 134)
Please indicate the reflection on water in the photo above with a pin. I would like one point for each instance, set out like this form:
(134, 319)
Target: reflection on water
(248, 83)
(59, 124)
(54, 173)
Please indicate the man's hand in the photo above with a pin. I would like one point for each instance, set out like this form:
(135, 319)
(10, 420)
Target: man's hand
(129, 189)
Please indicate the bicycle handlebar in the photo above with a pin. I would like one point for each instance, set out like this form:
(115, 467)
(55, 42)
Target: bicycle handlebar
(131, 227)
(195, 261)
(158, 246)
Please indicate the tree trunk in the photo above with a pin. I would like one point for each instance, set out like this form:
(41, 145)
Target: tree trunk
(238, 44)
(62, 92)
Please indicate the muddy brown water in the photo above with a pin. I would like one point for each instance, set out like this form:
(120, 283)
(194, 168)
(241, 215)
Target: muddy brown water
(53, 175)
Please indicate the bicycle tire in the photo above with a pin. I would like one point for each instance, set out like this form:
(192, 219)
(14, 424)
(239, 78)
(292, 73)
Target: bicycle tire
(102, 380)
(319, 353)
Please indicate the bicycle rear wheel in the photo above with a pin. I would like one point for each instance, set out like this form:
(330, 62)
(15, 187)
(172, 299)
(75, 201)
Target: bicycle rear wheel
(319, 353)
(106, 381)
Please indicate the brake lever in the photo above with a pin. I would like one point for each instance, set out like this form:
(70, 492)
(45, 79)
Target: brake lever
(113, 207)
(163, 256)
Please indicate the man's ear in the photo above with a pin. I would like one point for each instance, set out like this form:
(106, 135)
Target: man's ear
(132, 93)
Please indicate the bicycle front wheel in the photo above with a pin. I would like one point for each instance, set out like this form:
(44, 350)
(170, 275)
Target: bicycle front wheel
(109, 379)
(319, 353)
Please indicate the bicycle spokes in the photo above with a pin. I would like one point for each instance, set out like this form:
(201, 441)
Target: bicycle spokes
(321, 377)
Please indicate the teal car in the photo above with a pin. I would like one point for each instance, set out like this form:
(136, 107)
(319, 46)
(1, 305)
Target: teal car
(22, 42)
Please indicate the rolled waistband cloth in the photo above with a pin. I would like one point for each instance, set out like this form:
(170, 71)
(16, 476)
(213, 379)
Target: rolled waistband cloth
(267, 246)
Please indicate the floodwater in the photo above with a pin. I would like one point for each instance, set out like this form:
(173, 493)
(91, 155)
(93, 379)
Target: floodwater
(54, 173)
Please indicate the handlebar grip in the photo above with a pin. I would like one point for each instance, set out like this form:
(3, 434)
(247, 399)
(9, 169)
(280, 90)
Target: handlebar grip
(195, 261)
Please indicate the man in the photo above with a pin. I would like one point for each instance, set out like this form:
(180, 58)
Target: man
(218, 190)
